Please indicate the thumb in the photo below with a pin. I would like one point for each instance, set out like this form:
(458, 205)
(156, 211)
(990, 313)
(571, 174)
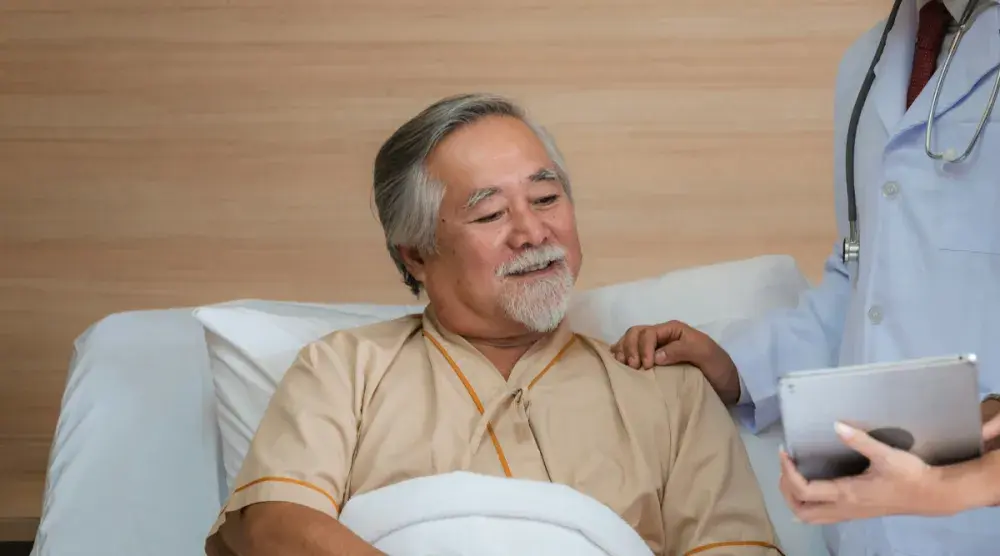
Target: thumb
(991, 429)
(862, 443)
(677, 351)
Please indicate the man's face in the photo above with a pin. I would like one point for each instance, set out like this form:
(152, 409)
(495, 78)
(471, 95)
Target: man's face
(508, 251)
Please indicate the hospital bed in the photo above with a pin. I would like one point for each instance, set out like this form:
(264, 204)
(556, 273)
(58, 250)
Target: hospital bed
(159, 404)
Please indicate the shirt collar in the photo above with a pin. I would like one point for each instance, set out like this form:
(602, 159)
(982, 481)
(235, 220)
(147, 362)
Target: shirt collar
(545, 348)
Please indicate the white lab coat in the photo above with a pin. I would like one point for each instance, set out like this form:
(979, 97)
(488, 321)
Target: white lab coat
(929, 277)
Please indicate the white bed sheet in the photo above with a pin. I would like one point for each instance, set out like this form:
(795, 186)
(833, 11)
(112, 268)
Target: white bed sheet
(461, 513)
(134, 467)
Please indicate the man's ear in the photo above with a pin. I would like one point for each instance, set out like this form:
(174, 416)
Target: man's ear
(414, 261)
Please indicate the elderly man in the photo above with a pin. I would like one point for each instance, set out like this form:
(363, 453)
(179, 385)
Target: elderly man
(476, 209)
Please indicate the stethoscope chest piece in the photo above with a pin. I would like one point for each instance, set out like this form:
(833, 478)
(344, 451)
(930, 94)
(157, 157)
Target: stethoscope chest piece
(852, 251)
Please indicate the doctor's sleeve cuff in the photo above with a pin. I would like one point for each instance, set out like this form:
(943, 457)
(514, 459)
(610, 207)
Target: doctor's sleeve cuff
(757, 407)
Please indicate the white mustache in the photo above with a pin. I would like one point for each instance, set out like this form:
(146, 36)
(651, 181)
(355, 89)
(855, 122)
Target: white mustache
(535, 258)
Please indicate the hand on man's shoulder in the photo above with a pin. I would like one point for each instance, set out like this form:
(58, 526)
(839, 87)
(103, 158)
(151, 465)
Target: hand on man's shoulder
(675, 342)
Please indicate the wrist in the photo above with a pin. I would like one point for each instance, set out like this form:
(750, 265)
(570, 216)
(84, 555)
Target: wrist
(731, 389)
(941, 493)
(966, 486)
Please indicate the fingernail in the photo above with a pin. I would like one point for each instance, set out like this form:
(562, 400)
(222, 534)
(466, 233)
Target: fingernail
(781, 448)
(842, 429)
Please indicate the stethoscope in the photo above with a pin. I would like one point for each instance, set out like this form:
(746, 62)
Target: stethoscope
(852, 243)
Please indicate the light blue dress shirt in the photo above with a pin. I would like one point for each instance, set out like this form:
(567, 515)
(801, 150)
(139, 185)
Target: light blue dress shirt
(928, 282)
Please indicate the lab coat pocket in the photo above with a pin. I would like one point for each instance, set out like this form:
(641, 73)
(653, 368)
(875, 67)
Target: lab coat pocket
(969, 217)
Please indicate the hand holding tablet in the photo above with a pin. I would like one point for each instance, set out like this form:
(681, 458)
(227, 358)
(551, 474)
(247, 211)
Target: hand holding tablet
(927, 407)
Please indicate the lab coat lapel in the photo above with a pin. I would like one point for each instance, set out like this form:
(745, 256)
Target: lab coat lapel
(978, 55)
(892, 73)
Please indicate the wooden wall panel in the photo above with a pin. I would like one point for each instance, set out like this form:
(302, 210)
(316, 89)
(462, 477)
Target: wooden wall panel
(170, 153)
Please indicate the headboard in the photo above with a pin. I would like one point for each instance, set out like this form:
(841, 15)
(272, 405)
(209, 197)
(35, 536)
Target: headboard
(175, 153)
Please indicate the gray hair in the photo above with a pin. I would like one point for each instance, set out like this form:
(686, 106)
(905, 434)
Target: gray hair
(407, 197)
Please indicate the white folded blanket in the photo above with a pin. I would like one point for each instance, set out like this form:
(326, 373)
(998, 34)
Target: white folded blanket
(462, 513)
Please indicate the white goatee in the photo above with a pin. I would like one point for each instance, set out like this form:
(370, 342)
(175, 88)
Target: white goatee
(539, 304)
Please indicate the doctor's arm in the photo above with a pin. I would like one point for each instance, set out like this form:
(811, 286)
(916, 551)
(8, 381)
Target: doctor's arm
(807, 336)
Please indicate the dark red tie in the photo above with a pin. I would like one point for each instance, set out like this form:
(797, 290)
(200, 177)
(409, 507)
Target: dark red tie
(934, 21)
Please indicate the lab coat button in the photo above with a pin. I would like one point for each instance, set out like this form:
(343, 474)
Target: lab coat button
(875, 314)
(890, 190)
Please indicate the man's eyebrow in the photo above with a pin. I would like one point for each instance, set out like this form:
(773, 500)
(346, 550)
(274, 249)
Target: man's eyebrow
(544, 174)
(480, 195)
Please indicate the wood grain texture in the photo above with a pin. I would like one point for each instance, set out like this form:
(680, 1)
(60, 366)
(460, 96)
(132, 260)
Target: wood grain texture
(177, 152)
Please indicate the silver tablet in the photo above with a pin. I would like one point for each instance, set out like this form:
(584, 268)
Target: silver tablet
(929, 407)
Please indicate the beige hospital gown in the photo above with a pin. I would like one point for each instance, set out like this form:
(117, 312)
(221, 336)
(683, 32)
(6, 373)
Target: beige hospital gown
(365, 408)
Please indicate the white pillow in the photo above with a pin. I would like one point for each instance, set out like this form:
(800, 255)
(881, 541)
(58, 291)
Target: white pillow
(710, 298)
(252, 343)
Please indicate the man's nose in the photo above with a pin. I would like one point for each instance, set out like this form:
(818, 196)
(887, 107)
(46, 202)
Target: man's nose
(529, 230)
